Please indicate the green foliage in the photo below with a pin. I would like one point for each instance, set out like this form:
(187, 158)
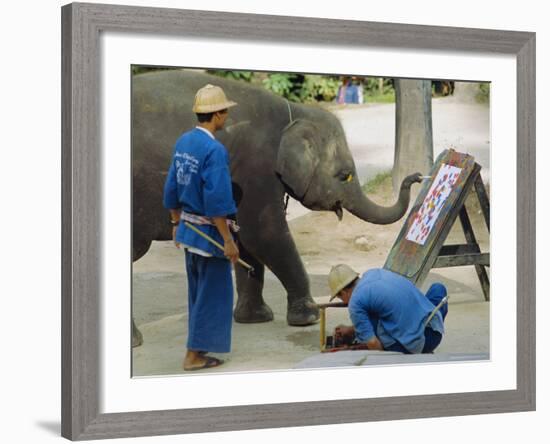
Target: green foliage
(302, 88)
(139, 69)
(388, 97)
(245, 76)
(372, 185)
(312, 87)
(378, 90)
(284, 85)
(484, 93)
(371, 86)
(319, 88)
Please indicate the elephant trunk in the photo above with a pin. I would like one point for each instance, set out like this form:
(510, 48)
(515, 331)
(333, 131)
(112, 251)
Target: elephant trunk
(361, 206)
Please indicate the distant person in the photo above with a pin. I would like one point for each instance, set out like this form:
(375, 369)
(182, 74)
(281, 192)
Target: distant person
(198, 191)
(388, 311)
(349, 92)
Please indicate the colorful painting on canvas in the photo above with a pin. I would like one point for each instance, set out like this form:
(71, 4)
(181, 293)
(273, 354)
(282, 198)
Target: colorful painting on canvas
(425, 218)
(430, 216)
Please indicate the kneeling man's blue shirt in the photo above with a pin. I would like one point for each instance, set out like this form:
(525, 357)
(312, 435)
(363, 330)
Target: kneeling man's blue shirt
(389, 306)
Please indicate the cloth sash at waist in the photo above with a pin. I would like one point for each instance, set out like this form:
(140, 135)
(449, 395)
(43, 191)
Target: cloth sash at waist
(204, 220)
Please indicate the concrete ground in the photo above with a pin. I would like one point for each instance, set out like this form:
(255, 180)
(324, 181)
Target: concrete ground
(160, 299)
(159, 282)
(160, 311)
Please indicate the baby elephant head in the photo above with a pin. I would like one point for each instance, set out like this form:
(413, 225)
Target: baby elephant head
(317, 168)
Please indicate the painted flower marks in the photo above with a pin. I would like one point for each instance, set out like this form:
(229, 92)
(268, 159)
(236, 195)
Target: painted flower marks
(429, 211)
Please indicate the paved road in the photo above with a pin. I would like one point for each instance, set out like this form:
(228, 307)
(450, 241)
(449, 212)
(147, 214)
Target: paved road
(370, 131)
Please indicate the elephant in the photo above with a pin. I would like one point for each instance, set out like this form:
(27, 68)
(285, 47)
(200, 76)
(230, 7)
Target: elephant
(276, 147)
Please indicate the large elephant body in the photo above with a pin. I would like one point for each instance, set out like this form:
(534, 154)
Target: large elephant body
(275, 147)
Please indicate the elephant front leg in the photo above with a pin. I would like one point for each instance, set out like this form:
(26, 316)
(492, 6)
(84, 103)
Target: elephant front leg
(289, 269)
(137, 337)
(279, 254)
(250, 305)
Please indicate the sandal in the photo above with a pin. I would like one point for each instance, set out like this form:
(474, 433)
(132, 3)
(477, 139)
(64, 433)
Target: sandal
(210, 362)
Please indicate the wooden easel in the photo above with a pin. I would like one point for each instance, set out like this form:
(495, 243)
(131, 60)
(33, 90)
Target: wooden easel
(457, 255)
(442, 256)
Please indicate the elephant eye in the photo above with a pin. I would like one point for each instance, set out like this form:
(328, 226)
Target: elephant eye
(345, 176)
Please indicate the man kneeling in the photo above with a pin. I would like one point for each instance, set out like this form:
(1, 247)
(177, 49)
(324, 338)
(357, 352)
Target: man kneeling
(388, 311)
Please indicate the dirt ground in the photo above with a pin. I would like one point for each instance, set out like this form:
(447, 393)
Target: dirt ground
(159, 282)
(160, 308)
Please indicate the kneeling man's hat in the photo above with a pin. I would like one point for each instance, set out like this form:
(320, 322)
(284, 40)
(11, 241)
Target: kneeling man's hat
(340, 277)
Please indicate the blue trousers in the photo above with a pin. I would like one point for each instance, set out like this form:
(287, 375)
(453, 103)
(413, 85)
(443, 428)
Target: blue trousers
(210, 294)
(435, 294)
(432, 338)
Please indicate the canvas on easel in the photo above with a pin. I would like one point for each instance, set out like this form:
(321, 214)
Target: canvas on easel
(420, 244)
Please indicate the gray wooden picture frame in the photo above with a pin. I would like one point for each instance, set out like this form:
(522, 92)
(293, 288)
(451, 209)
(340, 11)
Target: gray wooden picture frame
(81, 244)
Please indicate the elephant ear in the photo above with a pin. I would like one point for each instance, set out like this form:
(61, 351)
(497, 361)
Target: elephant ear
(298, 156)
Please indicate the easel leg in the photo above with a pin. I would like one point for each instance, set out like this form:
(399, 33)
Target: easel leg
(322, 328)
(483, 200)
(471, 239)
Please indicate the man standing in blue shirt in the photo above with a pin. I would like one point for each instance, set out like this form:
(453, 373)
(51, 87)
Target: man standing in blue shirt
(198, 191)
(387, 310)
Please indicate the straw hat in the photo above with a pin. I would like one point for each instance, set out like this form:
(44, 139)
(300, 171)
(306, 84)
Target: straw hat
(209, 99)
(339, 277)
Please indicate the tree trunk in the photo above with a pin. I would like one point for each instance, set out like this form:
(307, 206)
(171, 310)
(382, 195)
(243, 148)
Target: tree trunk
(413, 130)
